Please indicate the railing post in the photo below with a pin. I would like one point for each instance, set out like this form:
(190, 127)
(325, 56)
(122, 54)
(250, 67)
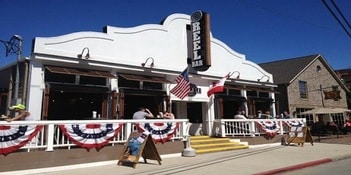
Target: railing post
(222, 128)
(184, 130)
(252, 128)
(281, 123)
(50, 138)
(128, 130)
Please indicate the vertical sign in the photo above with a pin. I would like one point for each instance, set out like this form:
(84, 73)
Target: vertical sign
(200, 27)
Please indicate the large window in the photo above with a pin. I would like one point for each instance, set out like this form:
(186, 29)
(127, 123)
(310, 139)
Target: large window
(309, 117)
(303, 89)
(338, 118)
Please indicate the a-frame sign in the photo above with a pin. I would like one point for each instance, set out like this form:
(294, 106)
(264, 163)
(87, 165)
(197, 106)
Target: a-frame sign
(299, 135)
(147, 150)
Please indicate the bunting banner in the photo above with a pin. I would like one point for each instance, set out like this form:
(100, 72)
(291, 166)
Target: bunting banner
(13, 137)
(90, 136)
(294, 123)
(160, 132)
(271, 128)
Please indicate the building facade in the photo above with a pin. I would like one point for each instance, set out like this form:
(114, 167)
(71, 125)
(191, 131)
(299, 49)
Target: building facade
(306, 83)
(110, 74)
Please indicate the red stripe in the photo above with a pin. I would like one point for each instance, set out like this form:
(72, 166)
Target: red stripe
(93, 126)
(5, 127)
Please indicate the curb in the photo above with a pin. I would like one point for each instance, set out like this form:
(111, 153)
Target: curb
(304, 165)
(295, 167)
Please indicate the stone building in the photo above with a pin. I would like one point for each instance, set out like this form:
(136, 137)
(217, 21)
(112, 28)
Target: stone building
(307, 83)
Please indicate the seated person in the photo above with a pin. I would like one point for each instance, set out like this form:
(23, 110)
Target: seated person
(239, 115)
(168, 115)
(346, 127)
(133, 147)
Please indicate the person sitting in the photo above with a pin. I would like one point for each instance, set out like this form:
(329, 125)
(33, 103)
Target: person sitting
(22, 114)
(268, 115)
(259, 114)
(346, 127)
(142, 113)
(239, 115)
(286, 115)
(168, 115)
(332, 127)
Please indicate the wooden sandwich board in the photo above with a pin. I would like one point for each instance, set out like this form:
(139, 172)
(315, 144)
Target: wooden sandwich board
(147, 150)
(299, 135)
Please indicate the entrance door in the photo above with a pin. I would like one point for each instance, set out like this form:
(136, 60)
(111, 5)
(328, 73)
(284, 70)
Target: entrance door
(194, 111)
(133, 102)
(65, 105)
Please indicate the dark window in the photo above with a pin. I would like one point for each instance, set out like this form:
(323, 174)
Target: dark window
(127, 83)
(309, 117)
(150, 85)
(263, 94)
(59, 78)
(194, 111)
(92, 80)
(303, 89)
(234, 92)
(251, 93)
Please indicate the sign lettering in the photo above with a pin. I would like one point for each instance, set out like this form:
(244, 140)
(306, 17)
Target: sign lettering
(201, 60)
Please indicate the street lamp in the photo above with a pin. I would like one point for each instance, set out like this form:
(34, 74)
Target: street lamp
(14, 46)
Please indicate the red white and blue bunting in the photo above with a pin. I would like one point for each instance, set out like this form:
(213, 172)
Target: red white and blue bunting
(13, 137)
(271, 128)
(90, 136)
(294, 123)
(160, 132)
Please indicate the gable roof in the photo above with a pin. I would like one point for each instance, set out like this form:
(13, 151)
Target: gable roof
(285, 70)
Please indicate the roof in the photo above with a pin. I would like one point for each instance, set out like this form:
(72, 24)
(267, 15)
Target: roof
(285, 70)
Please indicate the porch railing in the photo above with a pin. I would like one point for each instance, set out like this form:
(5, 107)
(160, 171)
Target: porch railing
(51, 137)
(251, 127)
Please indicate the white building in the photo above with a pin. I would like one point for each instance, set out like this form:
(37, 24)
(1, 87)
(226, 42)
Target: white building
(114, 72)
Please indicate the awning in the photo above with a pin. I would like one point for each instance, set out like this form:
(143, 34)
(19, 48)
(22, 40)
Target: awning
(326, 111)
(230, 97)
(144, 78)
(78, 88)
(76, 71)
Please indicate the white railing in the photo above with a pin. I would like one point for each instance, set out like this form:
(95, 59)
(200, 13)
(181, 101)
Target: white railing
(244, 127)
(51, 137)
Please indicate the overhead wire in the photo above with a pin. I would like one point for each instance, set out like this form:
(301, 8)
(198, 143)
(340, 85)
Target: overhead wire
(337, 18)
(341, 14)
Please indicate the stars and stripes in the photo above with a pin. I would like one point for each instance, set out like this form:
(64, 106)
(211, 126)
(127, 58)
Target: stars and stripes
(90, 136)
(13, 137)
(182, 89)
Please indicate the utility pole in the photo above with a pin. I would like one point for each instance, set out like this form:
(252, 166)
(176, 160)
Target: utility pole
(321, 89)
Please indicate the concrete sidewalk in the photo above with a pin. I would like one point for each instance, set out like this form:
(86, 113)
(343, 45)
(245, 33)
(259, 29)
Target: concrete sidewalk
(258, 159)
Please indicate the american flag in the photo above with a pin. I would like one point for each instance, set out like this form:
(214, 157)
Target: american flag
(182, 88)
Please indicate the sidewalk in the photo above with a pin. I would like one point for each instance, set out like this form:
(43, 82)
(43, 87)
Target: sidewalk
(258, 159)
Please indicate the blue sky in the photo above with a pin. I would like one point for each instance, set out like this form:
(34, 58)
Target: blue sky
(263, 30)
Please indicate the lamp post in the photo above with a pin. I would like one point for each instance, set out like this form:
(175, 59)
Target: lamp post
(14, 46)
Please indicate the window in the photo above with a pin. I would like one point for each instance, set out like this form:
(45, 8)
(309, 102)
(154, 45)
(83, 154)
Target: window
(309, 117)
(318, 68)
(338, 118)
(303, 89)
